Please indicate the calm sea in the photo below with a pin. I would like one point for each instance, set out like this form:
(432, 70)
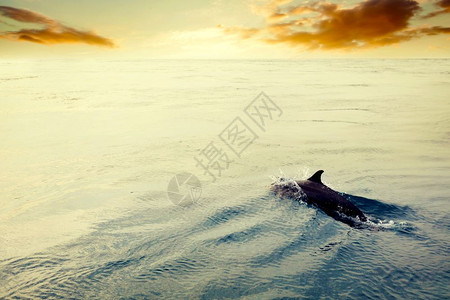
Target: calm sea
(89, 151)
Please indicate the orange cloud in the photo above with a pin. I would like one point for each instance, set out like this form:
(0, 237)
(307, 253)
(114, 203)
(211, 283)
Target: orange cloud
(276, 17)
(53, 32)
(326, 25)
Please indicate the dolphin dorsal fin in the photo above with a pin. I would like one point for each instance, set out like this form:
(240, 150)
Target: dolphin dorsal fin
(316, 177)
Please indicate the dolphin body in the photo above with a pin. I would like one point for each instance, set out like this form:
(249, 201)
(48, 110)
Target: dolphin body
(331, 202)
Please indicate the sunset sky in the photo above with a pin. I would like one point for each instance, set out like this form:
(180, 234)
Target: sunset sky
(224, 29)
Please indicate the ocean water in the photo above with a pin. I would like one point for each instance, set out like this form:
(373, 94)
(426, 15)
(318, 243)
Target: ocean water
(88, 149)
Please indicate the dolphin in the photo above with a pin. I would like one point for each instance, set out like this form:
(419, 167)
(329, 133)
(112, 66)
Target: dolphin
(329, 201)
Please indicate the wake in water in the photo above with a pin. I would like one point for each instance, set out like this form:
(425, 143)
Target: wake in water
(377, 214)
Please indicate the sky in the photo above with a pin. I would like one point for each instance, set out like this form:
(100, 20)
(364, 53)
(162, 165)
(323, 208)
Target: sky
(224, 29)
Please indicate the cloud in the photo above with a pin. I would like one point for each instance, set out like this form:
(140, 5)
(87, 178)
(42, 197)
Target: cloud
(53, 32)
(445, 9)
(326, 25)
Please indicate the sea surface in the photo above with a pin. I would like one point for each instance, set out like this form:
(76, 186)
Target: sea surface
(88, 149)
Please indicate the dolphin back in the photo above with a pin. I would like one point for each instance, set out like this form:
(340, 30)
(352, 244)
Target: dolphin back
(330, 201)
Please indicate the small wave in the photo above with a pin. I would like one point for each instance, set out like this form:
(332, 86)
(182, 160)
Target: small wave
(17, 78)
(375, 224)
(241, 236)
(224, 215)
(333, 121)
(345, 109)
(378, 224)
